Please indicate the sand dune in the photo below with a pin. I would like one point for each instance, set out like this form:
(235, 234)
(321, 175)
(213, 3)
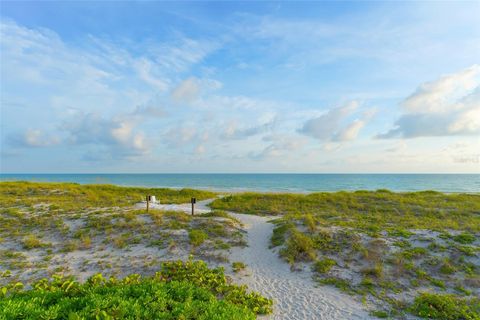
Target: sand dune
(294, 293)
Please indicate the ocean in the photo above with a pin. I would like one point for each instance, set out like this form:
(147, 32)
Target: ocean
(301, 183)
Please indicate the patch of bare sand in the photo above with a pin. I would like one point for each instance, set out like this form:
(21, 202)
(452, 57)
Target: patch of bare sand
(294, 293)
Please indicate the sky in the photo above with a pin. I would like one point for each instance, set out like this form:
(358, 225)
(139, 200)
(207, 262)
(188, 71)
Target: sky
(173, 87)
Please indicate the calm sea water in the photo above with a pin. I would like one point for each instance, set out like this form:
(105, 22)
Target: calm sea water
(273, 182)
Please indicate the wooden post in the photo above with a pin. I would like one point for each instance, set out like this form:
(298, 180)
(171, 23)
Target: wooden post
(193, 205)
(148, 202)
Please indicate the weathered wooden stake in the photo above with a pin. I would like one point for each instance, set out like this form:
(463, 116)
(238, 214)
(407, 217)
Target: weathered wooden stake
(148, 202)
(193, 205)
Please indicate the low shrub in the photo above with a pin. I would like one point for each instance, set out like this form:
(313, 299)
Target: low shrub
(414, 252)
(338, 283)
(299, 247)
(324, 265)
(445, 307)
(464, 238)
(438, 283)
(400, 232)
(309, 222)
(375, 271)
(238, 266)
(447, 267)
(181, 290)
(382, 314)
(197, 237)
(279, 232)
(32, 242)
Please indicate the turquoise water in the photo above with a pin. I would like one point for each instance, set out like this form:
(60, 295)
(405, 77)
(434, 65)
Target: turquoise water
(274, 182)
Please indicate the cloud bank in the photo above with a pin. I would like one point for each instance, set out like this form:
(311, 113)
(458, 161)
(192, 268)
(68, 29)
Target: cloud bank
(448, 106)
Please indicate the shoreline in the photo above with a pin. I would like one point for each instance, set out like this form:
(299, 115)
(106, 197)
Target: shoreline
(226, 190)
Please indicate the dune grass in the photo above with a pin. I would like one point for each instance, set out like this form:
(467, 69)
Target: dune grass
(383, 246)
(367, 210)
(44, 225)
(68, 196)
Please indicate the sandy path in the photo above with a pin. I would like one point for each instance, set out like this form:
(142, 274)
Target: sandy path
(200, 206)
(294, 293)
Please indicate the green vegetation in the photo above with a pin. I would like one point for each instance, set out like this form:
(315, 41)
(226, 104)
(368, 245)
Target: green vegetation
(464, 238)
(32, 242)
(382, 314)
(279, 233)
(299, 247)
(384, 245)
(238, 266)
(366, 210)
(68, 196)
(324, 265)
(445, 307)
(43, 224)
(197, 237)
(180, 290)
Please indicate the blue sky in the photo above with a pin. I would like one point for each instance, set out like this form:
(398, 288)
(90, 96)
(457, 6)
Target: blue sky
(240, 86)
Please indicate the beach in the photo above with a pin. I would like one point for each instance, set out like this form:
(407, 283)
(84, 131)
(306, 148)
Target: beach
(290, 248)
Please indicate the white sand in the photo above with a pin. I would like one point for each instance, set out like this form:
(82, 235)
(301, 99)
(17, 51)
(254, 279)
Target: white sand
(294, 293)
(200, 206)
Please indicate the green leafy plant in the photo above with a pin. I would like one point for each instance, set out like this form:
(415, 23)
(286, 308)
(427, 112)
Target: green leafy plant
(324, 265)
(32, 242)
(445, 307)
(197, 237)
(238, 266)
(299, 247)
(180, 290)
(464, 238)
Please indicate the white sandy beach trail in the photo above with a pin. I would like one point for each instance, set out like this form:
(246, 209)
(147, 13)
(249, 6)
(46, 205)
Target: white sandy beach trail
(294, 293)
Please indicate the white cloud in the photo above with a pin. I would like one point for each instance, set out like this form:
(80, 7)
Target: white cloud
(445, 107)
(440, 95)
(233, 132)
(149, 111)
(180, 55)
(280, 145)
(200, 149)
(191, 89)
(187, 91)
(398, 147)
(350, 132)
(387, 39)
(85, 93)
(327, 125)
(119, 136)
(34, 138)
(235, 102)
(180, 136)
(330, 126)
(145, 71)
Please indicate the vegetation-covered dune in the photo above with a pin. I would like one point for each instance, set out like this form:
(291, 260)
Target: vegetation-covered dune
(66, 231)
(366, 210)
(51, 228)
(68, 196)
(417, 251)
(399, 253)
